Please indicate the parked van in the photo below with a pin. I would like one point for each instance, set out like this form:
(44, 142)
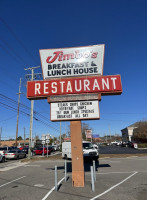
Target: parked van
(88, 150)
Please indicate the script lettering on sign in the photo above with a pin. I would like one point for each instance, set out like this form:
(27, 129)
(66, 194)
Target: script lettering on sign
(75, 110)
(77, 61)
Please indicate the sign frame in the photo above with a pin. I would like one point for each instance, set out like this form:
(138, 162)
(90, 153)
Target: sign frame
(80, 97)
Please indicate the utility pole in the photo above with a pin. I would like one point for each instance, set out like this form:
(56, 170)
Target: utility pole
(110, 134)
(31, 113)
(106, 137)
(18, 112)
(0, 135)
(60, 132)
(24, 136)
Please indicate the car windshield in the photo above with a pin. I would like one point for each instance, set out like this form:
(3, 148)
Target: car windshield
(87, 146)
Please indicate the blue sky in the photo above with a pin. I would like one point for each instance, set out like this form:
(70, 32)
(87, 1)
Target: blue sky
(29, 25)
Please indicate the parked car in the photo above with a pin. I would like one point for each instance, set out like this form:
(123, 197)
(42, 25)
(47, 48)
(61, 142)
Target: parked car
(125, 144)
(131, 144)
(51, 148)
(25, 149)
(119, 143)
(114, 143)
(39, 151)
(56, 147)
(2, 158)
(15, 154)
(3, 150)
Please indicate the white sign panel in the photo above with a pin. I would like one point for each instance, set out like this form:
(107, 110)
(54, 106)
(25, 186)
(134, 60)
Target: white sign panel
(43, 141)
(47, 141)
(88, 133)
(77, 61)
(75, 110)
(47, 137)
(43, 137)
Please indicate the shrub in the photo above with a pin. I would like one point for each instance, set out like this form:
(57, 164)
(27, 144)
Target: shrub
(142, 145)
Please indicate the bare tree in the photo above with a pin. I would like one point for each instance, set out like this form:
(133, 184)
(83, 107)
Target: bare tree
(140, 133)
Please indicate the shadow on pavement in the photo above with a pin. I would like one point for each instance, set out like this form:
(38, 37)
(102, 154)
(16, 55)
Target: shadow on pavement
(87, 165)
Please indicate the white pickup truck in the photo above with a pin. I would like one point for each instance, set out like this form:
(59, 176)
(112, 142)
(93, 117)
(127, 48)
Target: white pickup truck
(88, 150)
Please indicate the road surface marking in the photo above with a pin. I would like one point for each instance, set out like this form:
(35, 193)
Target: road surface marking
(12, 181)
(8, 167)
(103, 158)
(132, 157)
(114, 173)
(52, 189)
(31, 165)
(113, 186)
(39, 185)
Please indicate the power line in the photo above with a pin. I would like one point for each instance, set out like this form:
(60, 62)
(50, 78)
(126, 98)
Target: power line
(13, 50)
(8, 118)
(18, 40)
(27, 114)
(22, 106)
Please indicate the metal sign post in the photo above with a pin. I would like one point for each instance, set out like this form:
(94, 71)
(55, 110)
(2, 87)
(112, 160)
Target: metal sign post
(47, 142)
(43, 142)
(77, 154)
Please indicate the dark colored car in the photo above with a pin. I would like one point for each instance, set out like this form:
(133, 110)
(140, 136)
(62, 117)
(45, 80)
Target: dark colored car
(124, 144)
(51, 148)
(131, 144)
(25, 149)
(39, 151)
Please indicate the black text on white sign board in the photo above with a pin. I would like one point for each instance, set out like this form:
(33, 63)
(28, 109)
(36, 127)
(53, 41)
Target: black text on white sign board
(79, 110)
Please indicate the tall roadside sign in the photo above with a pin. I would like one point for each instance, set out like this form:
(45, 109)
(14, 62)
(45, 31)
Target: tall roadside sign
(73, 85)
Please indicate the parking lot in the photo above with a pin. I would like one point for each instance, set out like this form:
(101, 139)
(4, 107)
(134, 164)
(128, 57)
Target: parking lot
(116, 178)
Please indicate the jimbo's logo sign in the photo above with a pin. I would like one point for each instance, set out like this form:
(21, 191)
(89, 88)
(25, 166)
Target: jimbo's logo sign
(77, 61)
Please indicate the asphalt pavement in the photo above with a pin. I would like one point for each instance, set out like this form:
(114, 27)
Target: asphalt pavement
(116, 179)
(120, 150)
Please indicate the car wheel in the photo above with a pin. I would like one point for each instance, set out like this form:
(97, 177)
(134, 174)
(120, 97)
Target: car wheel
(3, 160)
(17, 157)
